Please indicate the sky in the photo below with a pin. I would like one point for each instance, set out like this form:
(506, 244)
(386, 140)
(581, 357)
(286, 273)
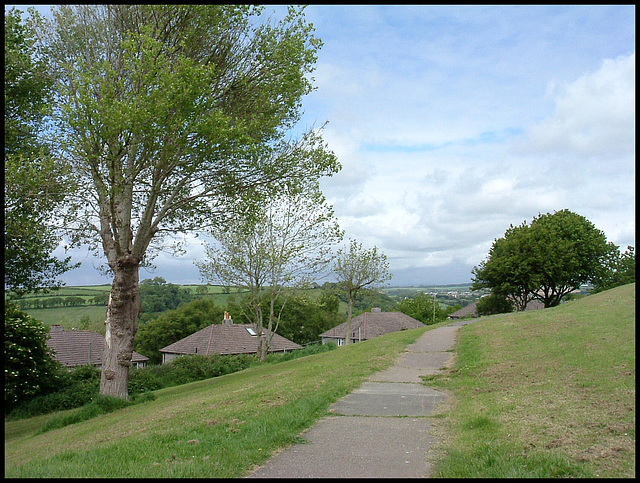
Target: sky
(453, 122)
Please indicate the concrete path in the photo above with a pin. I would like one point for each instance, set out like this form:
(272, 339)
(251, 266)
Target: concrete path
(381, 430)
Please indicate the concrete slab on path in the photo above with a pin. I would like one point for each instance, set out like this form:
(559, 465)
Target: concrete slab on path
(412, 365)
(389, 399)
(441, 339)
(356, 447)
(381, 430)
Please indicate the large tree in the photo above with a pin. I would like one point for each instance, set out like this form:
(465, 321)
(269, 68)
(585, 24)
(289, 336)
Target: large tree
(618, 269)
(424, 308)
(35, 182)
(508, 269)
(545, 260)
(568, 250)
(272, 250)
(358, 269)
(168, 115)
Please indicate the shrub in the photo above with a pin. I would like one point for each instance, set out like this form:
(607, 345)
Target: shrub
(76, 387)
(29, 366)
(197, 367)
(142, 380)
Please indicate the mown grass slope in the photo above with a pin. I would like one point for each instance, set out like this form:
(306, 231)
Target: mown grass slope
(220, 427)
(547, 393)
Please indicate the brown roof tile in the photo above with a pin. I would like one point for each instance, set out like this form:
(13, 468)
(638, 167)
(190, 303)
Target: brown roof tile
(80, 347)
(226, 339)
(373, 324)
(470, 310)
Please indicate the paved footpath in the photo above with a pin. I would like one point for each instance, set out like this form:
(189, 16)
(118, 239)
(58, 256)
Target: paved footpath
(381, 430)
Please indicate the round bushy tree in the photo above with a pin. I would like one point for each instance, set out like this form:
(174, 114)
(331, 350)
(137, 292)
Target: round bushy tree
(494, 304)
(421, 308)
(545, 260)
(29, 366)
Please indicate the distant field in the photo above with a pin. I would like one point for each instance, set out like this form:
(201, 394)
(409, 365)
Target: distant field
(71, 317)
(76, 317)
(453, 287)
(80, 291)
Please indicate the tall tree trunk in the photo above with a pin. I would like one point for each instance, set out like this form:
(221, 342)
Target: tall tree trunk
(270, 330)
(122, 317)
(347, 337)
(261, 350)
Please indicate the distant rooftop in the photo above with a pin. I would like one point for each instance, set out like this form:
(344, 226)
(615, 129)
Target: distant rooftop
(373, 324)
(227, 338)
(79, 347)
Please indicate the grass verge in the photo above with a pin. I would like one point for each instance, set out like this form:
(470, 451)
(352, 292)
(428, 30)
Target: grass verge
(220, 427)
(547, 393)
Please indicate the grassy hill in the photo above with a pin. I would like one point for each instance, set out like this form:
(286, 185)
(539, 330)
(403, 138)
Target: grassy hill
(547, 393)
(542, 393)
(219, 427)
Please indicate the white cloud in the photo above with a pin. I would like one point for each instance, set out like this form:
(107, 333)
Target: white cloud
(594, 116)
(446, 204)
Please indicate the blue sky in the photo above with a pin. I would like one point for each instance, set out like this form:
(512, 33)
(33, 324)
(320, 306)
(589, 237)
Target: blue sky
(453, 122)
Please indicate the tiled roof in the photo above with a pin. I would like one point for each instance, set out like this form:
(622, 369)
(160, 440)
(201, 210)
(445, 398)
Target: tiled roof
(534, 305)
(466, 311)
(227, 339)
(372, 324)
(80, 347)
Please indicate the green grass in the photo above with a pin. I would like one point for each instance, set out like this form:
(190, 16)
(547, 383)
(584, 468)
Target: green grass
(70, 317)
(80, 291)
(543, 394)
(220, 427)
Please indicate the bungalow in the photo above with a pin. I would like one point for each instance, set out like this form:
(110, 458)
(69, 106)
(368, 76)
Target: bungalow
(470, 310)
(80, 347)
(369, 325)
(225, 338)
